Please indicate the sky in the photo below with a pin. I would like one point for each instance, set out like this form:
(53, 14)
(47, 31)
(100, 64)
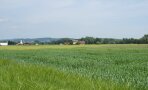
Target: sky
(73, 18)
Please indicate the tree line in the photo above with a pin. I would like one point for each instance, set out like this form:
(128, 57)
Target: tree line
(92, 40)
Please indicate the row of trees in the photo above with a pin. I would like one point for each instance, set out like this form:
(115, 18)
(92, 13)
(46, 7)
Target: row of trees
(92, 40)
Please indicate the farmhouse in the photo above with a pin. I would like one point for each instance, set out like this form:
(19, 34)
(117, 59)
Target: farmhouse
(78, 42)
(75, 42)
(81, 42)
(3, 43)
(24, 43)
(20, 43)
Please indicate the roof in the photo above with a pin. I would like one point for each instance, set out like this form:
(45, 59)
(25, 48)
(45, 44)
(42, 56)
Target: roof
(3, 41)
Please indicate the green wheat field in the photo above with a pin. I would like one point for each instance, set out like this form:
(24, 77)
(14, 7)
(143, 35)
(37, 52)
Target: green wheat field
(75, 67)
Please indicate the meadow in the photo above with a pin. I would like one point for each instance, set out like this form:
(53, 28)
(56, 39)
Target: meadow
(74, 67)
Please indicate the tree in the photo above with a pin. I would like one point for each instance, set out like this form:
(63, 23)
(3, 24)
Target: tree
(89, 40)
(144, 39)
(98, 41)
(37, 42)
(64, 41)
(12, 43)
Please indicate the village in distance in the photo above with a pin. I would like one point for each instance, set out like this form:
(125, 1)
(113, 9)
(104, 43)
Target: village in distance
(71, 41)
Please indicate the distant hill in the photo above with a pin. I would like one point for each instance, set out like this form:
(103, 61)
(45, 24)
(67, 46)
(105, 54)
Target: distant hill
(30, 40)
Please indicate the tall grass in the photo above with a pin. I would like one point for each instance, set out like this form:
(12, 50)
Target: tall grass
(88, 67)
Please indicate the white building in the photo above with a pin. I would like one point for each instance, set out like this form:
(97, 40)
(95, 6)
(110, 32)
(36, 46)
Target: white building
(4, 44)
(75, 42)
(21, 42)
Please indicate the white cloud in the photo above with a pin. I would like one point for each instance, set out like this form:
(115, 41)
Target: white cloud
(10, 4)
(35, 3)
(2, 19)
(78, 15)
(14, 27)
(56, 3)
(71, 10)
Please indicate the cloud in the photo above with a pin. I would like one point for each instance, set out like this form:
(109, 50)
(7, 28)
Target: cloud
(93, 16)
(35, 3)
(2, 19)
(71, 11)
(13, 4)
(37, 11)
(14, 27)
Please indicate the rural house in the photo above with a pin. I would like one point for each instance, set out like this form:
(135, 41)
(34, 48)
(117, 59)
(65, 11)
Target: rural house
(75, 42)
(3, 43)
(81, 42)
(78, 42)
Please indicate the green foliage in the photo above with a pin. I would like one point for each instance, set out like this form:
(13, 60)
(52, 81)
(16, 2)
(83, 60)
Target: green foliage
(144, 39)
(11, 43)
(92, 40)
(88, 40)
(86, 67)
(23, 76)
(66, 41)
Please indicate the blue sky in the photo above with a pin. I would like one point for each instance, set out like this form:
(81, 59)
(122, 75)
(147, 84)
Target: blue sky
(73, 18)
